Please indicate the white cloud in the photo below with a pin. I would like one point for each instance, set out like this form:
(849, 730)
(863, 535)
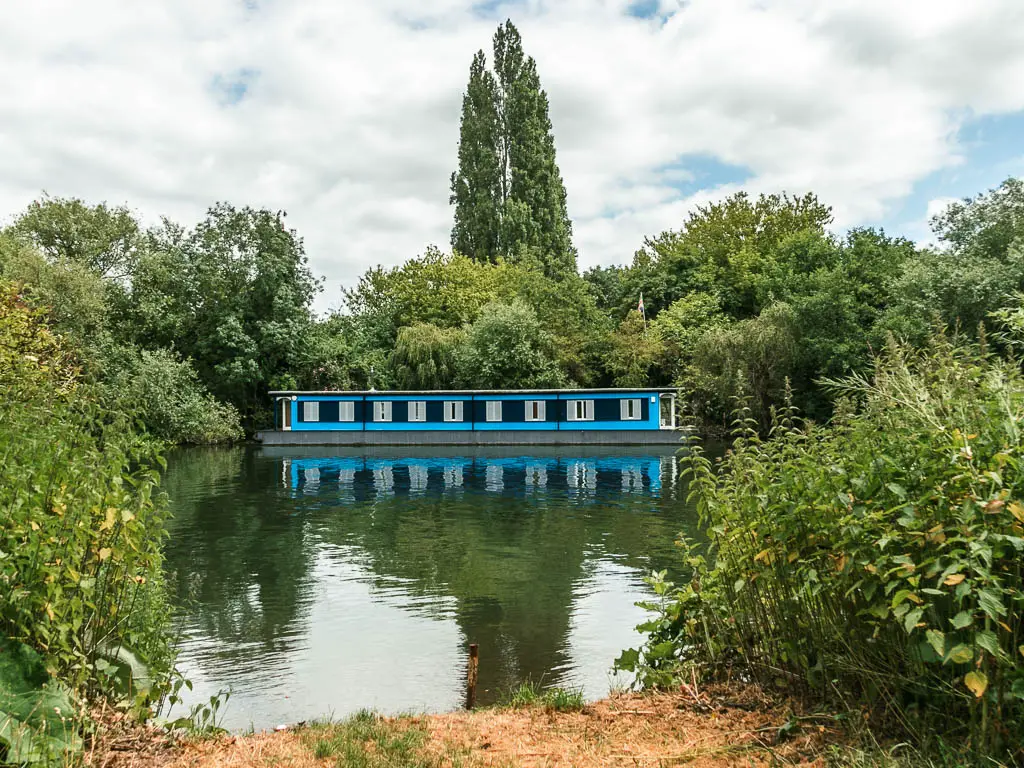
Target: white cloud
(350, 115)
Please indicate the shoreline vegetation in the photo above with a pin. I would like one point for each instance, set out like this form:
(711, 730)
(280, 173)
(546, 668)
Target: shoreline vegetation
(866, 527)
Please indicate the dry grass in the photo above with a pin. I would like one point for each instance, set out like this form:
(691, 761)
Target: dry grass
(636, 730)
(118, 741)
(726, 727)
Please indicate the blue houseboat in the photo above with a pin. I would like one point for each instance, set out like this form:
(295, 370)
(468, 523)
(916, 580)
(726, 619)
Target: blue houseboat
(475, 417)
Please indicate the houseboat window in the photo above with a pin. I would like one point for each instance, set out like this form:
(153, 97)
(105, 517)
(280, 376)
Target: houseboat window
(418, 410)
(581, 410)
(494, 410)
(311, 411)
(629, 410)
(382, 411)
(346, 411)
(453, 410)
(535, 410)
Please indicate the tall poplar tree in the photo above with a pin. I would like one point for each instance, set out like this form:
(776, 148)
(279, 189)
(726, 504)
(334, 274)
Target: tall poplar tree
(508, 193)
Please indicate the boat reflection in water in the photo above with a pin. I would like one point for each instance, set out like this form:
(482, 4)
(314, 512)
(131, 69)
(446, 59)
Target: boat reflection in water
(357, 479)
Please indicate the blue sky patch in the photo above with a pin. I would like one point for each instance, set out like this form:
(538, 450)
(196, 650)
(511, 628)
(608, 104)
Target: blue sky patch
(489, 9)
(992, 151)
(643, 9)
(230, 89)
(692, 173)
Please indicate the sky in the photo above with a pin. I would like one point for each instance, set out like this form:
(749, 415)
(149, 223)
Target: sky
(346, 114)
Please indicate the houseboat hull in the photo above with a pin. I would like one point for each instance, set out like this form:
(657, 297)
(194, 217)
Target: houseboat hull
(489, 437)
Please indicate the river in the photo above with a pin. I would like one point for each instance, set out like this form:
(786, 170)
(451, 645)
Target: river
(317, 582)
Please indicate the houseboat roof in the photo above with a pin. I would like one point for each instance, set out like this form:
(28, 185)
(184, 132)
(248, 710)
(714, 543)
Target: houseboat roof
(595, 390)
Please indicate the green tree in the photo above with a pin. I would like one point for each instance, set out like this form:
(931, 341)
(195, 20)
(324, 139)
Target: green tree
(103, 239)
(680, 328)
(568, 312)
(979, 269)
(737, 249)
(329, 358)
(746, 361)
(984, 226)
(633, 350)
(477, 185)
(425, 356)
(446, 290)
(71, 292)
(508, 193)
(507, 348)
(234, 295)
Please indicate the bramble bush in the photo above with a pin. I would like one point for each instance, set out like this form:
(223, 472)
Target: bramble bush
(876, 561)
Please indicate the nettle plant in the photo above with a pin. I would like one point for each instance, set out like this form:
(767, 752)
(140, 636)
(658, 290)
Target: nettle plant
(878, 560)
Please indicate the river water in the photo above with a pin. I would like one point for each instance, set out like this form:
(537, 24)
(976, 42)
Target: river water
(316, 582)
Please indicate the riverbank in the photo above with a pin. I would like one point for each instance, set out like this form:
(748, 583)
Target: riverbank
(718, 726)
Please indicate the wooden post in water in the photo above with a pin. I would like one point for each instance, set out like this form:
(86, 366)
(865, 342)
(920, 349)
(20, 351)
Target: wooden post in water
(471, 674)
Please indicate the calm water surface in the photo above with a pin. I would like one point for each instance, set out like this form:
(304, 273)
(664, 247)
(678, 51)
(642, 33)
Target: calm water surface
(313, 582)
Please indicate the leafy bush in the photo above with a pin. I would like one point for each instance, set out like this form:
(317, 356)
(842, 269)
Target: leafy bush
(37, 718)
(876, 561)
(81, 520)
(165, 394)
(507, 348)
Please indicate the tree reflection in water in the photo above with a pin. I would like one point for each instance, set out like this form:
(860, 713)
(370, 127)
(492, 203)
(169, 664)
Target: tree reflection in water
(344, 581)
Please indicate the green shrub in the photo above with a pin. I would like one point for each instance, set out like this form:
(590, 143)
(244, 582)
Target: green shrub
(877, 561)
(81, 521)
(508, 348)
(38, 723)
(164, 392)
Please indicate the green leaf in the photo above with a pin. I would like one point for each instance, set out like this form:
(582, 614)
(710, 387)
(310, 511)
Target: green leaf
(912, 618)
(961, 620)
(1018, 688)
(960, 654)
(991, 604)
(133, 676)
(628, 660)
(927, 653)
(898, 490)
(988, 640)
(936, 640)
(900, 596)
(33, 710)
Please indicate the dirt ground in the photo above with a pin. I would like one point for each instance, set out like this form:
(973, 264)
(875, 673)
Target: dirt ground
(717, 727)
